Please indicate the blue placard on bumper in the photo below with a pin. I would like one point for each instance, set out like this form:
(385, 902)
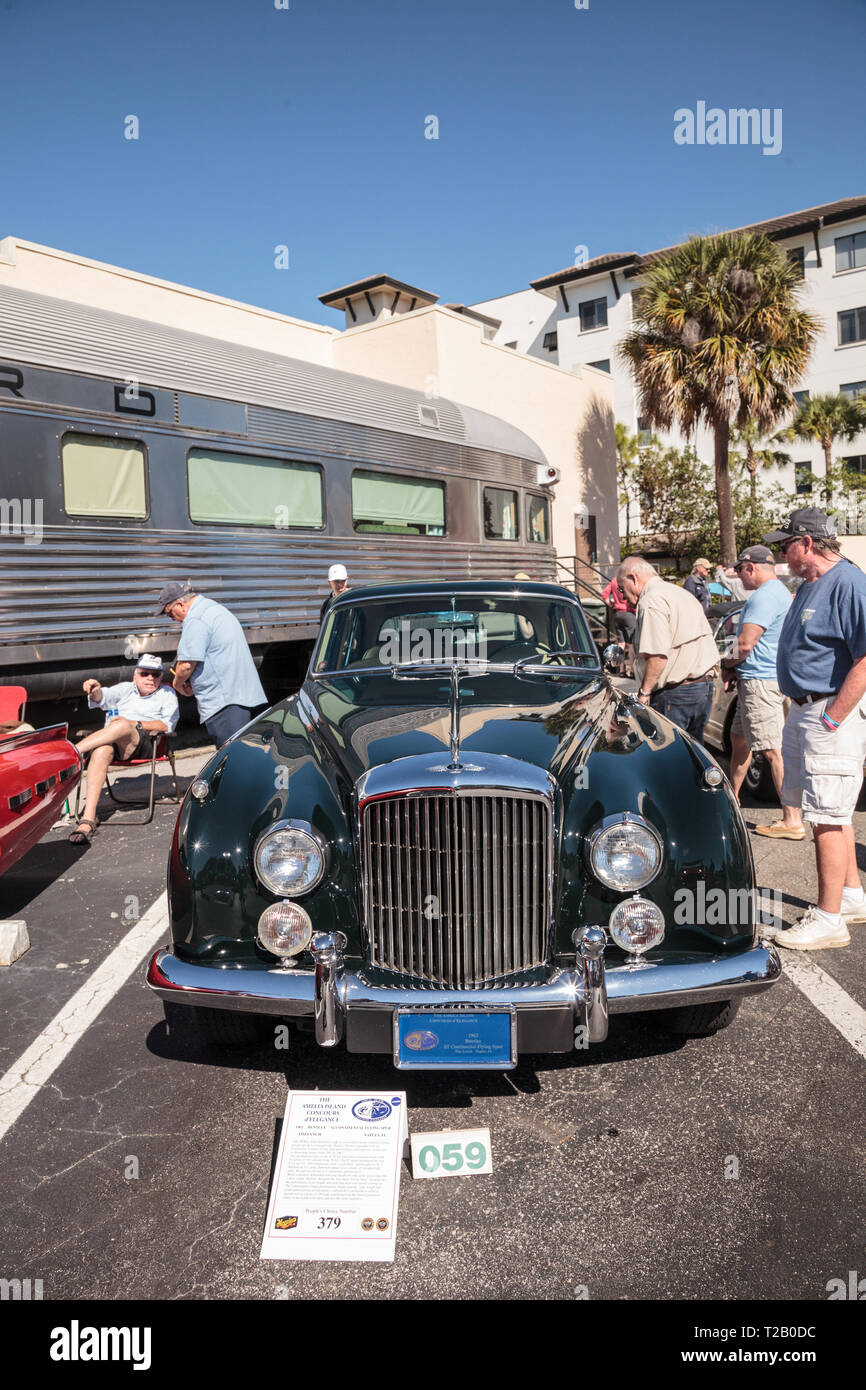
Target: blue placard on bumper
(455, 1039)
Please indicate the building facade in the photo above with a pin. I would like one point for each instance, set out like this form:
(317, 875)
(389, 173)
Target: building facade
(577, 317)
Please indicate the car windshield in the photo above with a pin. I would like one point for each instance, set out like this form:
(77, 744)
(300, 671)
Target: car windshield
(494, 629)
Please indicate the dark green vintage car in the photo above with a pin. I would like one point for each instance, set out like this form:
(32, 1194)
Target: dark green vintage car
(459, 843)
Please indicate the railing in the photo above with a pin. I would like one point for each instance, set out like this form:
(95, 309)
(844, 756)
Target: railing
(586, 581)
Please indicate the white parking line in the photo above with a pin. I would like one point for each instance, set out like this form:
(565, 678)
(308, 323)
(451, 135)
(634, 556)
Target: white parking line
(23, 1080)
(830, 999)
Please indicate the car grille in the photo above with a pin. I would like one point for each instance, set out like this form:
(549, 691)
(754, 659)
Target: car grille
(457, 888)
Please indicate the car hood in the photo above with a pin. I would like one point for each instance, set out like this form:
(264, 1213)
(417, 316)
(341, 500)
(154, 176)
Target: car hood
(553, 723)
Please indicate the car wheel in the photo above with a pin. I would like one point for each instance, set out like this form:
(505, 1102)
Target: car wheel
(698, 1020)
(224, 1028)
(759, 779)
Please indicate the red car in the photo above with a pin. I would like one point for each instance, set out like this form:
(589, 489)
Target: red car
(38, 770)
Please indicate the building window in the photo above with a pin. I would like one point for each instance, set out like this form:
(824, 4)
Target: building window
(855, 463)
(550, 342)
(593, 314)
(643, 429)
(500, 514)
(797, 256)
(247, 490)
(385, 502)
(803, 477)
(512, 345)
(538, 515)
(603, 365)
(851, 251)
(852, 326)
(103, 477)
(852, 389)
(800, 398)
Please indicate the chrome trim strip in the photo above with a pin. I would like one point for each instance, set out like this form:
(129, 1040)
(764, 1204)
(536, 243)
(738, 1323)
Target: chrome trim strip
(329, 1014)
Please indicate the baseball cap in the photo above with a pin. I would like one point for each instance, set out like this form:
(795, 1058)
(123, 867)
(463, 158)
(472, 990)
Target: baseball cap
(338, 572)
(701, 561)
(756, 555)
(149, 662)
(806, 521)
(169, 593)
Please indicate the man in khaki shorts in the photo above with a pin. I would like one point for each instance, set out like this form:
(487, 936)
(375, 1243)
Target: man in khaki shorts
(760, 716)
(821, 665)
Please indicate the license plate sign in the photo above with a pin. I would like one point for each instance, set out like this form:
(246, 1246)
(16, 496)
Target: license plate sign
(455, 1039)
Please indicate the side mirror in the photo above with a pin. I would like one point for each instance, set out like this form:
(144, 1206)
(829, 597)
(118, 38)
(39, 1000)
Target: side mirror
(613, 658)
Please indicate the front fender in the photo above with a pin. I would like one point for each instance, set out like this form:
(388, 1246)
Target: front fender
(274, 770)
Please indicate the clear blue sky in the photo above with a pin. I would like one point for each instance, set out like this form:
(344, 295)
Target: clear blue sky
(305, 127)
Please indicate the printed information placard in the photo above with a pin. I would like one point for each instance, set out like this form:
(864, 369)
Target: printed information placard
(337, 1179)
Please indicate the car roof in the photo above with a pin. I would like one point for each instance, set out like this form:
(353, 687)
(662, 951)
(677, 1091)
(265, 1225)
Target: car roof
(456, 587)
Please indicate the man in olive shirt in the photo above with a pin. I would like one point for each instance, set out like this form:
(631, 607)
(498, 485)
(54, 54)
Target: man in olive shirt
(675, 655)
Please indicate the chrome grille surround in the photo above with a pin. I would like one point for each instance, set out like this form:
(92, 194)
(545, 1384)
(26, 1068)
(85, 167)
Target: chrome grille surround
(476, 843)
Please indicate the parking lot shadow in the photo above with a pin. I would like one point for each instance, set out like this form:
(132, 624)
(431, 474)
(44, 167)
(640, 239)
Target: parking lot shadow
(307, 1067)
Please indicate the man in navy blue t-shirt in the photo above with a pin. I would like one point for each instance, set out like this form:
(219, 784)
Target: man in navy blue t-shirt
(821, 666)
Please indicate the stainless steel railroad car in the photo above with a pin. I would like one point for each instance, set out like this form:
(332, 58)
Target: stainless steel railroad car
(132, 453)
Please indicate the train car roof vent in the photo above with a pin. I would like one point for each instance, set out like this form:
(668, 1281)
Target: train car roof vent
(428, 416)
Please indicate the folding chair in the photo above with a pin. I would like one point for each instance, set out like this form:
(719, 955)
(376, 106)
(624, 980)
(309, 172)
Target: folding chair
(162, 752)
(13, 701)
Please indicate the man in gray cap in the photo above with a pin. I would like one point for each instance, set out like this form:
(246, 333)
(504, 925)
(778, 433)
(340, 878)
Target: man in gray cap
(821, 665)
(760, 716)
(213, 663)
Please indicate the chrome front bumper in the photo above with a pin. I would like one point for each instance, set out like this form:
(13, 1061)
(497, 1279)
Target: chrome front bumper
(345, 1006)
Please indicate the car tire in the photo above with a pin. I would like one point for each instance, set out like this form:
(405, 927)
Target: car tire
(224, 1028)
(698, 1020)
(759, 779)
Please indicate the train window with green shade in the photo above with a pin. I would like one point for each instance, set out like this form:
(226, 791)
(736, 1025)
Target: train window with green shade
(500, 514)
(538, 515)
(103, 477)
(248, 490)
(389, 504)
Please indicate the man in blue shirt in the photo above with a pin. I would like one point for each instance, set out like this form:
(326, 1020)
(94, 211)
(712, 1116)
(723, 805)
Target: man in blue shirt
(213, 662)
(821, 666)
(760, 716)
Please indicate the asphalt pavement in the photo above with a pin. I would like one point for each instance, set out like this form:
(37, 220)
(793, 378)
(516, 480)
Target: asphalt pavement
(648, 1167)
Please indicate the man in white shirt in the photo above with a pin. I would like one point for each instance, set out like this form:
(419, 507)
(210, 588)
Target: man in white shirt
(136, 712)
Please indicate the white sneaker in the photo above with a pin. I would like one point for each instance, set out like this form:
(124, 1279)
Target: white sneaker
(812, 933)
(853, 909)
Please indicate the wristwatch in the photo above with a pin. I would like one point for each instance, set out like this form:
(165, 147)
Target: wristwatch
(138, 726)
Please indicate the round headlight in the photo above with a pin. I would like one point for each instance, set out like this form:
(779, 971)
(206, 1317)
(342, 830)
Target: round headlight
(636, 925)
(285, 929)
(625, 853)
(289, 861)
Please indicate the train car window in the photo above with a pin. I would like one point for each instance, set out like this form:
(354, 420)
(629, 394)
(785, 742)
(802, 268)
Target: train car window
(103, 477)
(538, 520)
(387, 503)
(500, 514)
(246, 490)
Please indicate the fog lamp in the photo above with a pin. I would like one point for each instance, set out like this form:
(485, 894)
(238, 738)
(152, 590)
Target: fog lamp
(637, 925)
(285, 929)
(199, 788)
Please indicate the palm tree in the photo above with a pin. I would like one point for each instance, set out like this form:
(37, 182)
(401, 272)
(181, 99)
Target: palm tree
(719, 339)
(744, 441)
(825, 419)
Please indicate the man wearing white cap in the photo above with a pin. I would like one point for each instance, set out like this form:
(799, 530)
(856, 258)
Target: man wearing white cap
(134, 711)
(338, 579)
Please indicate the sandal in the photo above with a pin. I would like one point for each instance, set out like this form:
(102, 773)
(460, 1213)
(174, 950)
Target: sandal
(80, 836)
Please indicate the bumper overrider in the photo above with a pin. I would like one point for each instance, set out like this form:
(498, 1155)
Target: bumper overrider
(347, 1008)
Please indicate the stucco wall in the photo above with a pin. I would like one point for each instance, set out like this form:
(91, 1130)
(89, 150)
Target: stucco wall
(44, 270)
(570, 416)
